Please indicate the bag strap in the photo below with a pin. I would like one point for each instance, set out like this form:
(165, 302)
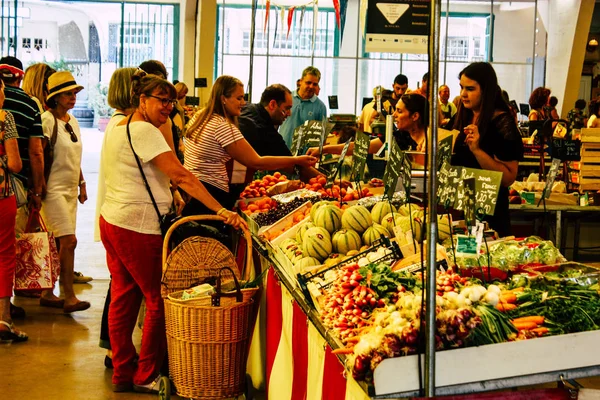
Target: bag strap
(54, 132)
(137, 160)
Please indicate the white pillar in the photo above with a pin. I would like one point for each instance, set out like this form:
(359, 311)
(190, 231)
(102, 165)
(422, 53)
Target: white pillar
(568, 27)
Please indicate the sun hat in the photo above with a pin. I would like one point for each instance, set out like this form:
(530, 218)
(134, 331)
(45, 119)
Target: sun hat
(11, 67)
(60, 82)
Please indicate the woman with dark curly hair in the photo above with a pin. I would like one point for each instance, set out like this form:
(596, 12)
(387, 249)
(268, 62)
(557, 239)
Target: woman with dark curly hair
(538, 99)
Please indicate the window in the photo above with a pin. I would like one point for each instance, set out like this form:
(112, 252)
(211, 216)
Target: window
(26, 43)
(458, 48)
(38, 44)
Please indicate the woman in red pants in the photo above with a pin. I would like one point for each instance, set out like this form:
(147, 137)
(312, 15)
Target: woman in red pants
(10, 162)
(130, 229)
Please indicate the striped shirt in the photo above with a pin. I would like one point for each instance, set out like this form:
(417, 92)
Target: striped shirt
(28, 121)
(205, 157)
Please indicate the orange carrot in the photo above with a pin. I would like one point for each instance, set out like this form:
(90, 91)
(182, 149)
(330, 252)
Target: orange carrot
(517, 290)
(505, 307)
(353, 339)
(542, 330)
(525, 326)
(344, 350)
(538, 319)
(510, 298)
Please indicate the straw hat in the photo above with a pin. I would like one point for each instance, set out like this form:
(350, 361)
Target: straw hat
(60, 82)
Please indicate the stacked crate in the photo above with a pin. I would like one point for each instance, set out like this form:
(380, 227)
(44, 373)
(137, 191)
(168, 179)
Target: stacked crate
(587, 171)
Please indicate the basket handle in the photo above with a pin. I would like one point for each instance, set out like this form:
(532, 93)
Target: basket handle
(248, 237)
(216, 297)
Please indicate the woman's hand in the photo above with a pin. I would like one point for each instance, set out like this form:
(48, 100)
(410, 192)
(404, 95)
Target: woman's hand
(472, 139)
(178, 202)
(233, 219)
(82, 194)
(313, 152)
(307, 160)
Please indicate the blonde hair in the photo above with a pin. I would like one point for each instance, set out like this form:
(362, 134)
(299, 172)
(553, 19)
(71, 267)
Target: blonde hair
(119, 88)
(180, 87)
(225, 85)
(35, 81)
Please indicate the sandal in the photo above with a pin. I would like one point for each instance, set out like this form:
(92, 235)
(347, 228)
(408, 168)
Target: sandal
(12, 334)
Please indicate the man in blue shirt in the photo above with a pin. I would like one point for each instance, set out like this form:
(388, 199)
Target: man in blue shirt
(306, 104)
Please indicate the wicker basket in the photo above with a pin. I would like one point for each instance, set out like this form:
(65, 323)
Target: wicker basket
(208, 345)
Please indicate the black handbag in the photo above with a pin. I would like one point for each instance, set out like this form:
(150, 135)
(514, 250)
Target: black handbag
(167, 219)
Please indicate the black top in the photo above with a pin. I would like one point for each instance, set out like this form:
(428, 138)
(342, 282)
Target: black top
(405, 142)
(502, 140)
(257, 127)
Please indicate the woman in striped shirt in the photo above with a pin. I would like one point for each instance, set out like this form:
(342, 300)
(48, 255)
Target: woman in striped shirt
(213, 138)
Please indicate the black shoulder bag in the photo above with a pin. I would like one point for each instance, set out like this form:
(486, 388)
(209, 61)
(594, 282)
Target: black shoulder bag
(165, 220)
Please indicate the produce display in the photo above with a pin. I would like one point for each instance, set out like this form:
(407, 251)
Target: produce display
(344, 192)
(275, 214)
(259, 187)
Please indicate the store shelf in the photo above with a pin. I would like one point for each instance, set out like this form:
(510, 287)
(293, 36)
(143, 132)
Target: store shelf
(497, 366)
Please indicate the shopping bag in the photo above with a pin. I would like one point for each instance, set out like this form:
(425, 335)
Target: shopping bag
(38, 264)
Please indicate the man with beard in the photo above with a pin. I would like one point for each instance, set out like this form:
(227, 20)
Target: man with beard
(306, 105)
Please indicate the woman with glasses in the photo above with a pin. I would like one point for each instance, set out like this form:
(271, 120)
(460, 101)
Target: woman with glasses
(65, 185)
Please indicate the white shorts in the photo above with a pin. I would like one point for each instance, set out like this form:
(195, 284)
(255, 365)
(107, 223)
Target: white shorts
(59, 212)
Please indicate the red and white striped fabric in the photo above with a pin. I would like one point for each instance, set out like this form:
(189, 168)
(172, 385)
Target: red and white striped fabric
(299, 362)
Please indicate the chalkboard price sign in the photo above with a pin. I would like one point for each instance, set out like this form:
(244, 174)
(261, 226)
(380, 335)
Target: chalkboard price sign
(444, 151)
(487, 186)
(359, 156)
(469, 200)
(565, 150)
(334, 171)
(298, 140)
(448, 181)
(393, 169)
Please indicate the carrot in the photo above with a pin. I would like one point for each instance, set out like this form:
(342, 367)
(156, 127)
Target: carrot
(538, 319)
(505, 307)
(525, 326)
(344, 350)
(517, 290)
(542, 330)
(353, 339)
(510, 298)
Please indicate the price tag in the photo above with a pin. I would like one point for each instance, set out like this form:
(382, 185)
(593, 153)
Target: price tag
(487, 186)
(469, 200)
(444, 151)
(554, 168)
(393, 169)
(466, 245)
(359, 156)
(337, 167)
(316, 132)
(566, 150)
(448, 184)
(406, 174)
(298, 140)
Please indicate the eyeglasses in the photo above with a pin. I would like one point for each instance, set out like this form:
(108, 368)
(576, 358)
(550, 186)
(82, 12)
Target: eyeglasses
(164, 101)
(71, 132)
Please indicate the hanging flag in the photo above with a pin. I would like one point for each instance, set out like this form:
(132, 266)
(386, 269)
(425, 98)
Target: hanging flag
(282, 21)
(315, 23)
(363, 16)
(276, 24)
(343, 9)
(301, 21)
(336, 6)
(267, 12)
(289, 20)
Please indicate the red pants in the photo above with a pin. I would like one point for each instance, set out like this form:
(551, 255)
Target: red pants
(134, 262)
(8, 261)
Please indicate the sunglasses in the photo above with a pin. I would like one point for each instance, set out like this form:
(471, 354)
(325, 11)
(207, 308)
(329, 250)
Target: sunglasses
(165, 101)
(71, 132)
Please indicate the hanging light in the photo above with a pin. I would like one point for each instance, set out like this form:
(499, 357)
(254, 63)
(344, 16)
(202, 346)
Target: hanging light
(592, 45)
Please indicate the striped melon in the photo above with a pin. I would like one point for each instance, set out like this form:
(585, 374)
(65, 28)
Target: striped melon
(357, 218)
(391, 220)
(303, 228)
(414, 225)
(305, 263)
(444, 228)
(405, 210)
(345, 240)
(380, 210)
(333, 259)
(373, 233)
(328, 217)
(316, 206)
(317, 243)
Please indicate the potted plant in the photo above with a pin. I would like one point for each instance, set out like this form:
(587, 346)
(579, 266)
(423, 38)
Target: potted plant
(98, 95)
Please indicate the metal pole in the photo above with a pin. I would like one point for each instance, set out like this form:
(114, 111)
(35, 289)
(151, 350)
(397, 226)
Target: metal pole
(434, 64)
(446, 39)
(535, 17)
